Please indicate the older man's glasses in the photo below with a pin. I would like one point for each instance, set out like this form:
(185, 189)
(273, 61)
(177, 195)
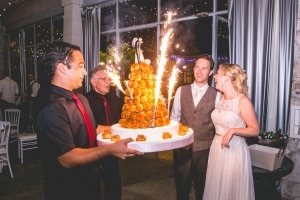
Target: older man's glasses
(104, 79)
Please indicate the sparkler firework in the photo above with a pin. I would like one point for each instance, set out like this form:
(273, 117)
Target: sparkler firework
(113, 72)
(162, 60)
(172, 82)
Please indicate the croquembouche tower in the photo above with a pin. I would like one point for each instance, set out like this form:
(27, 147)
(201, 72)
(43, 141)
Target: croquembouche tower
(139, 109)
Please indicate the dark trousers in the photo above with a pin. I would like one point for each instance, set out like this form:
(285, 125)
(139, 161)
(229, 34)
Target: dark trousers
(86, 190)
(24, 118)
(111, 178)
(190, 167)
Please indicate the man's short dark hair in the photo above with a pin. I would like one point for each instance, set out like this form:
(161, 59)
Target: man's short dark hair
(208, 58)
(57, 52)
(4, 73)
(96, 69)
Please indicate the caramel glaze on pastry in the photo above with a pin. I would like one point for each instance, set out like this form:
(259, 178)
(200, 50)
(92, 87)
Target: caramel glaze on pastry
(115, 138)
(182, 129)
(166, 135)
(106, 134)
(140, 138)
(139, 100)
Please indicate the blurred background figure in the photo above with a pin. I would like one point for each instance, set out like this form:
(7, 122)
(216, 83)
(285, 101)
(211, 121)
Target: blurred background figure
(33, 87)
(107, 108)
(28, 105)
(9, 92)
(32, 92)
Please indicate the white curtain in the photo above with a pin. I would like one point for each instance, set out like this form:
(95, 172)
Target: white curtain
(91, 42)
(262, 37)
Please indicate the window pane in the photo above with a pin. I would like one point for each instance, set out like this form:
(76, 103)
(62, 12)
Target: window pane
(108, 18)
(58, 24)
(106, 41)
(29, 35)
(40, 50)
(149, 41)
(4, 53)
(14, 51)
(186, 7)
(223, 40)
(192, 37)
(222, 5)
(29, 54)
(137, 12)
(43, 31)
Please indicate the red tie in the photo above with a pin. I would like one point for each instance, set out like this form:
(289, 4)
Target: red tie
(87, 120)
(107, 111)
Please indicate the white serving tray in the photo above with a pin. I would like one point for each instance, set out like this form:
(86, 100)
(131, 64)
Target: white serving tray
(157, 144)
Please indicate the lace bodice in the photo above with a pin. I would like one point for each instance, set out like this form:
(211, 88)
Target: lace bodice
(226, 115)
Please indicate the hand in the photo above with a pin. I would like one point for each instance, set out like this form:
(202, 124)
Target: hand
(119, 149)
(226, 138)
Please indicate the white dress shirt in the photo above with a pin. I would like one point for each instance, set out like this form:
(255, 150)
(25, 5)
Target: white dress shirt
(9, 90)
(197, 94)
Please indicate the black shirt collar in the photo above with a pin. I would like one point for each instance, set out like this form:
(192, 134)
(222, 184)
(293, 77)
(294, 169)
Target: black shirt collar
(58, 92)
(98, 94)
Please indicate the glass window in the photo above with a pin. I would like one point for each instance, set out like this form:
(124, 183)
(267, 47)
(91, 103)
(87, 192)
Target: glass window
(192, 30)
(43, 31)
(107, 40)
(58, 24)
(29, 53)
(137, 12)
(223, 40)
(108, 18)
(186, 7)
(29, 35)
(4, 53)
(222, 5)
(40, 50)
(14, 51)
(192, 37)
(149, 41)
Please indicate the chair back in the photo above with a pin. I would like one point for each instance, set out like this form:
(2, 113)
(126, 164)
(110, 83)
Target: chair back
(13, 116)
(4, 133)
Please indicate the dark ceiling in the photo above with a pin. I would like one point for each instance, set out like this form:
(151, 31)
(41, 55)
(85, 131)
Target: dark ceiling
(5, 5)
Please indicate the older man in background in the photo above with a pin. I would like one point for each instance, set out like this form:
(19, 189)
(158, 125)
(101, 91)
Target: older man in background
(106, 107)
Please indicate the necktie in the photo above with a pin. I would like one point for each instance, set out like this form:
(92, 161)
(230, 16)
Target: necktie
(107, 111)
(87, 120)
(197, 97)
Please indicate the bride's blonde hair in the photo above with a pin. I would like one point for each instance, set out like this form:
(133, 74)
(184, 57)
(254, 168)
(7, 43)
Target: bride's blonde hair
(237, 75)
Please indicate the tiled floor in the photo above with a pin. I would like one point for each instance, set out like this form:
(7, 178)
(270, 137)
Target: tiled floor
(144, 178)
(148, 177)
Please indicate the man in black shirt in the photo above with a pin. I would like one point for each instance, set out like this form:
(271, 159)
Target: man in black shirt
(66, 136)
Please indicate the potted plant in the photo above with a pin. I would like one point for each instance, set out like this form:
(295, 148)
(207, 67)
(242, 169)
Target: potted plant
(273, 139)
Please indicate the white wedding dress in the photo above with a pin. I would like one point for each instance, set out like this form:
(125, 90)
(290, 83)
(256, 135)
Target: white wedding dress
(229, 171)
